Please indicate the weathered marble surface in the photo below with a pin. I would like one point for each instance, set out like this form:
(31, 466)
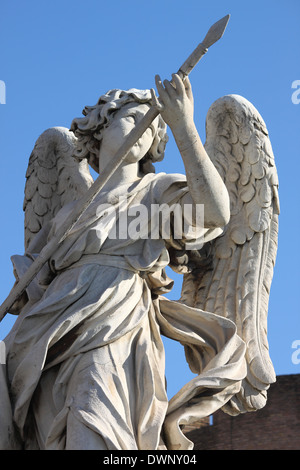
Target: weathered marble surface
(85, 363)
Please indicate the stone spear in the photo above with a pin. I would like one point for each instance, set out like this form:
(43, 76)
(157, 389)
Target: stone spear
(214, 34)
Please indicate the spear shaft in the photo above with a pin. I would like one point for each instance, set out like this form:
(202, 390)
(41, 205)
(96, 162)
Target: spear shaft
(214, 34)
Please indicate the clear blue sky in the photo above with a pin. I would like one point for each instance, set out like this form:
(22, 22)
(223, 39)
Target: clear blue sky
(58, 56)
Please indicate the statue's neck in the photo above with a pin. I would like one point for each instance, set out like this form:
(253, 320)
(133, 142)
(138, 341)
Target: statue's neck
(126, 173)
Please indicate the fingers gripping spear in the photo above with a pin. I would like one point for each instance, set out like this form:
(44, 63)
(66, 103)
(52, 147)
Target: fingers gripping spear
(214, 34)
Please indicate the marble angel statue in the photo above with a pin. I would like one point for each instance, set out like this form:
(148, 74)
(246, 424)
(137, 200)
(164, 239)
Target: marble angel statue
(85, 358)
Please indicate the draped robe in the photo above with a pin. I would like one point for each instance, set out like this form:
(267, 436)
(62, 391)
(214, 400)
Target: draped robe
(85, 358)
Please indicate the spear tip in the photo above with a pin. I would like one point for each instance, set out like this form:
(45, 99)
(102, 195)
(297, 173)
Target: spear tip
(216, 31)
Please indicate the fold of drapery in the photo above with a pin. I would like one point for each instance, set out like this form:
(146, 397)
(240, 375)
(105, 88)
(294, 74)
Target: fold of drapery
(92, 307)
(214, 352)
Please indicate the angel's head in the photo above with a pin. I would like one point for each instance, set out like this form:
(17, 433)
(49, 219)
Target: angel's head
(90, 129)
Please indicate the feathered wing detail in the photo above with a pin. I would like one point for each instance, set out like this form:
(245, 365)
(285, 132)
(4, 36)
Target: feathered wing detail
(237, 282)
(54, 178)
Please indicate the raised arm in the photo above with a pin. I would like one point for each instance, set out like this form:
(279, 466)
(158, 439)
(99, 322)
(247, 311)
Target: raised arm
(205, 184)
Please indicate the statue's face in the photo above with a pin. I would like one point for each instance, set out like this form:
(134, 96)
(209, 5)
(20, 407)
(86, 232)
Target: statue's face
(125, 119)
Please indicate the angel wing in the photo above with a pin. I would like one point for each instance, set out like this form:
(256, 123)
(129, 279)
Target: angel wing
(236, 283)
(54, 178)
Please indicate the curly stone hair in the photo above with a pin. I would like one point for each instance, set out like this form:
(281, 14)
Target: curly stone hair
(88, 129)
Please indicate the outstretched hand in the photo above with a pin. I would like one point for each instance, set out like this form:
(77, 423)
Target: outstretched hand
(176, 100)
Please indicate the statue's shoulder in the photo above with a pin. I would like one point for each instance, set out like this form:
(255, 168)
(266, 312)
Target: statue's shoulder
(161, 184)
